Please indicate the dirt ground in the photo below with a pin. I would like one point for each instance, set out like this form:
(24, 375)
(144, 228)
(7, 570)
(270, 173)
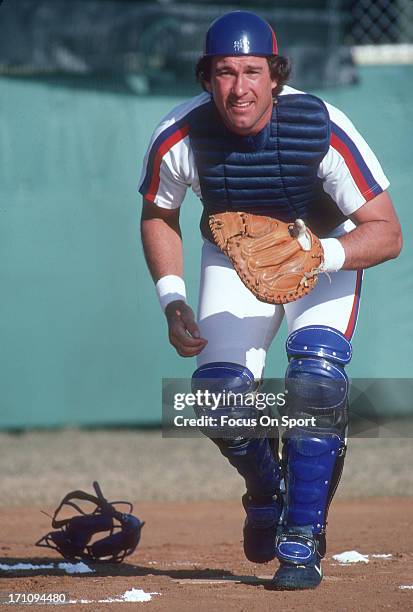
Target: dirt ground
(191, 556)
(191, 548)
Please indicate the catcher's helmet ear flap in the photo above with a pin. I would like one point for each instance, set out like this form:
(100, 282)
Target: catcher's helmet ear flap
(240, 33)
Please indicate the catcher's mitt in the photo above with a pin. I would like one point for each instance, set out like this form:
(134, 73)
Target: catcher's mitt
(277, 261)
(73, 540)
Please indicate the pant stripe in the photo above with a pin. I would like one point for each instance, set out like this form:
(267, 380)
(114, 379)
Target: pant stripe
(355, 308)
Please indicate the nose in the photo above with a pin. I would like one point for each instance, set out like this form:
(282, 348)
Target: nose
(239, 85)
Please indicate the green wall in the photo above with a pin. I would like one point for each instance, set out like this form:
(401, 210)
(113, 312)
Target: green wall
(82, 339)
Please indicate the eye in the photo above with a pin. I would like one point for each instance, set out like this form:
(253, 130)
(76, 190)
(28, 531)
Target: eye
(223, 72)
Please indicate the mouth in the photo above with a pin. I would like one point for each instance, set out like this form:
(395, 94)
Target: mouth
(240, 106)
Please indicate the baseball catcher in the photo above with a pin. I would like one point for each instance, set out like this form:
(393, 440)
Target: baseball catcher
(295, 206)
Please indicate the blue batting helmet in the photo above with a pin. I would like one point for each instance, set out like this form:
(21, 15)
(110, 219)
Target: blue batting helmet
(240, 33)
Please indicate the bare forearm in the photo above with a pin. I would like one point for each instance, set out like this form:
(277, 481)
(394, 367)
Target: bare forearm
(162, 245)
(370, 244)
(376, 238)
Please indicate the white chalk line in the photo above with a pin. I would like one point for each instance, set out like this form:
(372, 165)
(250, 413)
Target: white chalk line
(132, 595)
(69, 568)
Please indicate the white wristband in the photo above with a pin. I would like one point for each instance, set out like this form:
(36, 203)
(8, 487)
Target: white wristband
(334, 255)
(170, 288)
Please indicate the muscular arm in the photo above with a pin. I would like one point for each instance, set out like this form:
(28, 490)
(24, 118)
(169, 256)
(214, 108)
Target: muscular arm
(162, 245)
(377, 237)
(161, 240)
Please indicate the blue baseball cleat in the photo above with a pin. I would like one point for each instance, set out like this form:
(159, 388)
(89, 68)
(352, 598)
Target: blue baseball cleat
(260, 528)
(300, 568)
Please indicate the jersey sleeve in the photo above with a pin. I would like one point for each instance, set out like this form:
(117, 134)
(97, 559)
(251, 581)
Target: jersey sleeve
(169, 169)
(350, 171)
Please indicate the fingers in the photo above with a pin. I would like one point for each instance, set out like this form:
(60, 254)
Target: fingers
(299, 231)
(189, 323)
(184, 333)
(185, 344)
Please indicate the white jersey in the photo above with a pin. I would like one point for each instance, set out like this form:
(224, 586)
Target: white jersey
(350, 171)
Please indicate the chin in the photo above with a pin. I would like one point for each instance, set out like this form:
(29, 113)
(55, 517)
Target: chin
(238, 126)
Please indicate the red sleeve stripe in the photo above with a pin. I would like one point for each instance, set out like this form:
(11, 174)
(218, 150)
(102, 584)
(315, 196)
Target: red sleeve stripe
(358, 168)
(156, 159)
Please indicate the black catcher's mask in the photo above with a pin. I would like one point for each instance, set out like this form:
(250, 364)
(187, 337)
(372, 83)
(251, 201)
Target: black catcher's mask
(74, 535)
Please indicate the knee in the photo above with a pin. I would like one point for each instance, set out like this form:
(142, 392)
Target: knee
(223, 377)
(316, 380)
(221, 388)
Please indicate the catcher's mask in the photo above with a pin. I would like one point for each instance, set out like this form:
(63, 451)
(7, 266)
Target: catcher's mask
(72, 540)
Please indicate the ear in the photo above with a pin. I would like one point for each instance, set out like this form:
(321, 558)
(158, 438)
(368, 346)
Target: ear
(207, 85)
(274, 83)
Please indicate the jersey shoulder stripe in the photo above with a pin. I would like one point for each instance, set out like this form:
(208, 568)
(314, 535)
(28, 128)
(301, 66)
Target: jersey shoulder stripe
(176, 129)
(170, 137)
(355, 162)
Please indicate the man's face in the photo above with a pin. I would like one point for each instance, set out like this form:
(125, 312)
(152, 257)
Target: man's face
(242, 92)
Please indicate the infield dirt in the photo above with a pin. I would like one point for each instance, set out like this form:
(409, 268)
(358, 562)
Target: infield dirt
(191, 555)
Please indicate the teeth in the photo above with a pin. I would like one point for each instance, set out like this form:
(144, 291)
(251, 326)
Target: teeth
(242, 104)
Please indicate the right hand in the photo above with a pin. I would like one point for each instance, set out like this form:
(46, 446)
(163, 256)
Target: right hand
(184, 333)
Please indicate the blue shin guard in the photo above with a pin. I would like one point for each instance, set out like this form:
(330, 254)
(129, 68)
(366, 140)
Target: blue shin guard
(255, 459)
(313, 455)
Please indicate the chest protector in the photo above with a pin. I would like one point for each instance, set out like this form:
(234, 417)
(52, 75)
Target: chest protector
(273, 173)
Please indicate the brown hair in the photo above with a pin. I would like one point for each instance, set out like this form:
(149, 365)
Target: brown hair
(280, 69)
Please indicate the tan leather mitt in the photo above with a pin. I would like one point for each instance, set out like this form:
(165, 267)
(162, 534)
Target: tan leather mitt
(277, 261)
